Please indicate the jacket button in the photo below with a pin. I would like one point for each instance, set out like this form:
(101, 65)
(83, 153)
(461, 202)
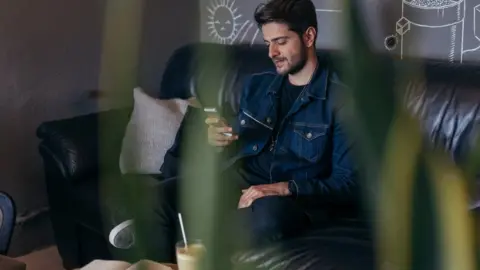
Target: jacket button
(309, 135)
(269, 120)
(255, 147)
(242, 122)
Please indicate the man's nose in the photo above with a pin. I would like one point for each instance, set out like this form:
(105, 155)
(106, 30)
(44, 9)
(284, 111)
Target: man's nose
(273, 51)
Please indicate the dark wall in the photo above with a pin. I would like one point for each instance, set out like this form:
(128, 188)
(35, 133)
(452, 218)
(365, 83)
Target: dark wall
(50, 61)
(167, 25)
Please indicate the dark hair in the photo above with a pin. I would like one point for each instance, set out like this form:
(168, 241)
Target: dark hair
(299, 15)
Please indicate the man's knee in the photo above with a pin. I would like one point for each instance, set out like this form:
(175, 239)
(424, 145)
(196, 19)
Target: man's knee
(268, 221)
(274, 217)
(269, 205)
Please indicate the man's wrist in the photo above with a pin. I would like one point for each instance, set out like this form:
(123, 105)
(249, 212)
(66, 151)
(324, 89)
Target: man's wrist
(292, 188)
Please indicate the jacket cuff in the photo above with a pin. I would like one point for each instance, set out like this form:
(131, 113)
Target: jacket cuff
(293, 187)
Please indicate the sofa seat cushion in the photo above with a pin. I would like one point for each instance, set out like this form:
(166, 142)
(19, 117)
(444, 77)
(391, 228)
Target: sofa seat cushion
(101, 211)
(340, 245)
(86, 206)
(97, 213)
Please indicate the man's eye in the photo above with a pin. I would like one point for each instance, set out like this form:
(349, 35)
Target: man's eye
(282, 42)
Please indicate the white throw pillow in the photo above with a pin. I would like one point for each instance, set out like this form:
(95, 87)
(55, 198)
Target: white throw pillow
(150, 132)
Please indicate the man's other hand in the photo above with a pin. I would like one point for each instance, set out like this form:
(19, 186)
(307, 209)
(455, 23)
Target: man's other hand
(259, 191)
(216, 130)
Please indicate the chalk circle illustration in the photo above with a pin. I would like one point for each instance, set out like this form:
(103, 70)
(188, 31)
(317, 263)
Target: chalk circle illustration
(391, 42)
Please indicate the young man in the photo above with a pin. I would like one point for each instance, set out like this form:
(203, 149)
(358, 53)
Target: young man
(291, 154)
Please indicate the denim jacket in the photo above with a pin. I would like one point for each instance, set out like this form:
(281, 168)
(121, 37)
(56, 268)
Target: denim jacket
(311, 147)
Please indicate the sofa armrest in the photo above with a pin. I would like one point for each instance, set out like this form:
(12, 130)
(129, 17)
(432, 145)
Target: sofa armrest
(86, 145)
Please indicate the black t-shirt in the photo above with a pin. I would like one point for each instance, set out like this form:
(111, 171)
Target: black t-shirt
(257, 168)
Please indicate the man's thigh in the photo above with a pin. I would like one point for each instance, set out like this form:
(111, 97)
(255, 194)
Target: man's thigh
(272, 218)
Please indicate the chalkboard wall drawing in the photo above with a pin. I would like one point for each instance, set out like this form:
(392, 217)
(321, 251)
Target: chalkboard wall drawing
(224, 21)
(471, 49)
(436, 29)
(227, 25)
(231, 22)
(328, 10)
(441, 29)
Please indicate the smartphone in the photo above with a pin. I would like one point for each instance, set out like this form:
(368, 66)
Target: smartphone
(213, 112)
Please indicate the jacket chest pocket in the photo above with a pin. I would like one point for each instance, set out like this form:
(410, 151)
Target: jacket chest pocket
(249, 128)
(309, 140)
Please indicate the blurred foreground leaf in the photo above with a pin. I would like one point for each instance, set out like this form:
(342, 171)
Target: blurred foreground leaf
(396, 164)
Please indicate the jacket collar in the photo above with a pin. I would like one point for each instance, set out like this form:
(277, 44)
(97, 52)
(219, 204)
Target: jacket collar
(316, 88)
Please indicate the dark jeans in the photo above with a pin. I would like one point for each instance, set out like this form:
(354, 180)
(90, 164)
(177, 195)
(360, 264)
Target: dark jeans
(267, 220)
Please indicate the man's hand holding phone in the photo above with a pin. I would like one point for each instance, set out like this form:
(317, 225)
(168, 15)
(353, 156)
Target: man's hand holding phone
(219, 133)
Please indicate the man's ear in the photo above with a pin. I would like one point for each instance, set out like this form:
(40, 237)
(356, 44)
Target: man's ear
(309, 36)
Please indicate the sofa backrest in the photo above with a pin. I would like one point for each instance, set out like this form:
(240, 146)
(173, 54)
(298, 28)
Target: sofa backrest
(206, 70)
(446, 98)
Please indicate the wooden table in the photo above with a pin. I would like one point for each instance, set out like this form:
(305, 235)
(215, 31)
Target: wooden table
(119, 265)
(7, 263)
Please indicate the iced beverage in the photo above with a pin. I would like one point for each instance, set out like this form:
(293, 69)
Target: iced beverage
(191, 257)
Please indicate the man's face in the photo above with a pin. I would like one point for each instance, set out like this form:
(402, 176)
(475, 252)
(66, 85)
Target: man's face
(285, 47)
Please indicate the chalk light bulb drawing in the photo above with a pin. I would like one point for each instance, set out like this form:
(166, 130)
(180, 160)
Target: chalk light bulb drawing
(223, 21)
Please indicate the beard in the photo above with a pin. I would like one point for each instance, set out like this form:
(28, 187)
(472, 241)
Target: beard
(295, 63)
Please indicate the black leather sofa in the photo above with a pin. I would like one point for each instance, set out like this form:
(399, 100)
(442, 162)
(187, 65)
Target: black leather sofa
(446, 102)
